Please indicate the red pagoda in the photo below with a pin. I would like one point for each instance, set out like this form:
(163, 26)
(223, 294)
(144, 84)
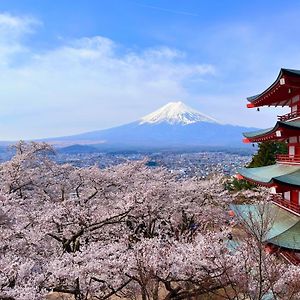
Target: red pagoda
(283, 178)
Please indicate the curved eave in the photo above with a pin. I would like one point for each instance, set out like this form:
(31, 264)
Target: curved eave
(272, 175)
(289, 238)
(291, 179)
(256, 98)
(280, 92)
(270, 133)
(285, 226)
(255, 136)
(256, 181)
(253, 175)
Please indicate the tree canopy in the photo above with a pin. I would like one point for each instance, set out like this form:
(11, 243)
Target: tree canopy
(266, 154)
(129, 231)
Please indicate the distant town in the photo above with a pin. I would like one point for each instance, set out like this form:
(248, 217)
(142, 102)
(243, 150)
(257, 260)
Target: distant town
(188, 161)
(200, 164)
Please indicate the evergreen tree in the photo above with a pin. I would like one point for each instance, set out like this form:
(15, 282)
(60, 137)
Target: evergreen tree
(266, 154)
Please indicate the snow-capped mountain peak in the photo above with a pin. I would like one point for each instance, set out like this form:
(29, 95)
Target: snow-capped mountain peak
(176, 113)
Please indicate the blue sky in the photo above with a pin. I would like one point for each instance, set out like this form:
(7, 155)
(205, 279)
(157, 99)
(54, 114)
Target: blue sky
(71, 66)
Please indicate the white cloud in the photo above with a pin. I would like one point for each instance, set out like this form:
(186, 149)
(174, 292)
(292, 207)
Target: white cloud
(15, 24)
(12, 30)
(86, 84)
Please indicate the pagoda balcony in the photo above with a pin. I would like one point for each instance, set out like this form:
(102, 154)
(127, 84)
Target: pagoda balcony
(278, 199)
(286, 158)
(289, 116)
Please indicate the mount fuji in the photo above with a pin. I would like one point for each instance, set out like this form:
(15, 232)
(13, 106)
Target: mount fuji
(173, 126)
(176, 113)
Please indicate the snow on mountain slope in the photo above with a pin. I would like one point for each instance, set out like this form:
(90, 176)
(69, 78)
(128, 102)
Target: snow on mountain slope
(176, 113)
(173, 126)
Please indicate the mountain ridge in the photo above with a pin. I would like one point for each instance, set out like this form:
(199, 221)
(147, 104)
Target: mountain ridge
(172, 126)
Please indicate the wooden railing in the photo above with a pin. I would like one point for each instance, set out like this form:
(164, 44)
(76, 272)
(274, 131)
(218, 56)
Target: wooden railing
(288, 158)
(285, 203)
(289, 116)
(291, 257)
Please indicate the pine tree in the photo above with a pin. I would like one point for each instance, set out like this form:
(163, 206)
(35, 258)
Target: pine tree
(266, 154)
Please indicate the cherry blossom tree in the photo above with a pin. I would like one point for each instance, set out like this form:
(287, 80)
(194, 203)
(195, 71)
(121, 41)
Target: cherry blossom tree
(128, 230)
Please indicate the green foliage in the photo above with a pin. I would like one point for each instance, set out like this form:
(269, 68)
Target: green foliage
(234, 185)
(266, 154)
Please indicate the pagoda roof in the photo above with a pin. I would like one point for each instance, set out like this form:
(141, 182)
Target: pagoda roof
(280, 92)
(271, 132)
(290, 178)
(283, 229)
(269, 175)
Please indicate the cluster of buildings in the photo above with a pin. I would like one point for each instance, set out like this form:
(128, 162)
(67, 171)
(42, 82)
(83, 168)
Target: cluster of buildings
(200, 164)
